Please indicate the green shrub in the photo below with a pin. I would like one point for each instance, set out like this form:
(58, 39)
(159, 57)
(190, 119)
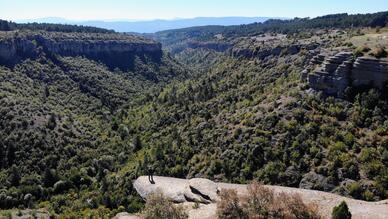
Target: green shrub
(341, 211)
(355, 190)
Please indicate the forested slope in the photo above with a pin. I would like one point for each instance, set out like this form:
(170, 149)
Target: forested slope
(76, 130)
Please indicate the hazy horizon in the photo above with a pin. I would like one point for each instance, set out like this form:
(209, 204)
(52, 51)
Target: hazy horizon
(146, 10)
(139, 20)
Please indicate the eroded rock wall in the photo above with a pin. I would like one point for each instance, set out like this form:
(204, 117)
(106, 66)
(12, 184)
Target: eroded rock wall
(333, 74)
(115, 52)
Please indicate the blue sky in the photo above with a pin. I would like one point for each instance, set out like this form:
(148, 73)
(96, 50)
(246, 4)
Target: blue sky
(169, 9)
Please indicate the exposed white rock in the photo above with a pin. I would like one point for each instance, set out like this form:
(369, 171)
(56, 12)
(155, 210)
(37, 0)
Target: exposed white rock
(173, 191)
(181, 190)
(325, 201)
(125, 215)
(207, 188)
(340, 71)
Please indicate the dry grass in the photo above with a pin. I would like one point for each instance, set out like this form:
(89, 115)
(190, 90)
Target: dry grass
(379, 52)
(261, 203)
(158, 206)
(230, 206)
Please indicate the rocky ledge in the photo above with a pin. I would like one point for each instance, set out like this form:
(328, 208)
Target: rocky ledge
(115, 50)
(186, 192)
(266, 51)
(333, 74)
(193, 190)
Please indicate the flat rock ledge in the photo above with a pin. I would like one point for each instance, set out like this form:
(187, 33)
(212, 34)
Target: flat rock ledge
(186, 192)
(179, 190)
(125, 215)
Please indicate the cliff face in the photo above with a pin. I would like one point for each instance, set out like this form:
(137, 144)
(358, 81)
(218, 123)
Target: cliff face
(115, 50)
(333, 74)
(270, 51)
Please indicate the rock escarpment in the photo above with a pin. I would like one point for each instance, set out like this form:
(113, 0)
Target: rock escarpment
(115, 50)
(270, 51)
(333, 74)
(370, 71)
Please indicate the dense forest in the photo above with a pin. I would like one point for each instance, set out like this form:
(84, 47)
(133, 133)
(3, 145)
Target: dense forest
(75, 133)
(279, 26)
(9, 26)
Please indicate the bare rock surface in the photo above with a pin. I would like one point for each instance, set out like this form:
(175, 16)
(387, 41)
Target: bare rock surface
(175, 189)
(204, 188)
(125, 215)
(179, 190)
(172, 189)
(333, 74)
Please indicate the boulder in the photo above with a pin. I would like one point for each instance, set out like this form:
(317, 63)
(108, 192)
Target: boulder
(202, 190)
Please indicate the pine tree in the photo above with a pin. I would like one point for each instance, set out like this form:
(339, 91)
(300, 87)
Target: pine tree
(49, 178)
(2, 155)
(14, 176)
(136, 143)
(11, 155)
(341, 211)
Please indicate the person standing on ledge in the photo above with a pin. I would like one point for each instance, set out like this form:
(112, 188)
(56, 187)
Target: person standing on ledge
(150, 171)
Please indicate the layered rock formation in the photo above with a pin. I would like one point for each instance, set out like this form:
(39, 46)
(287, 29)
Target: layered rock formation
(268, 51)
(370, 71)
(115, 50)
(333, 74)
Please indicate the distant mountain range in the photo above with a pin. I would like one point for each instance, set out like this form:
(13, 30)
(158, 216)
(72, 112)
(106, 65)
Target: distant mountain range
(152, 26)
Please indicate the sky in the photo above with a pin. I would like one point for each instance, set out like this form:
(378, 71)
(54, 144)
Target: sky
(170, 9)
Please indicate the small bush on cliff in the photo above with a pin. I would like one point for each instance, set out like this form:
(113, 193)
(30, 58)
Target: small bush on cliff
(341, 211)
(158, 206)
(262, 202)
(379, 52)
(360, 51)
(230, 205)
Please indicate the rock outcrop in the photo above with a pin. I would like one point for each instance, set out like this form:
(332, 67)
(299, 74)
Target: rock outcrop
(216, 46)
(177, 190)
(333, 74)
(194, 190)
(370, 71)
(115, 50)
(270, 51)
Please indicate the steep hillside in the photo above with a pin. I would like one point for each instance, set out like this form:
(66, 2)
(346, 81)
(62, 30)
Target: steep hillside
(59, 97)
(253, 117)
(209, 42)
(85, 113)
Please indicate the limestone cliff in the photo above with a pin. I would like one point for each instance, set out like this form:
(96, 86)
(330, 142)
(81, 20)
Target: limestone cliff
(332, 74)
(115, 50)
(265, 51)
